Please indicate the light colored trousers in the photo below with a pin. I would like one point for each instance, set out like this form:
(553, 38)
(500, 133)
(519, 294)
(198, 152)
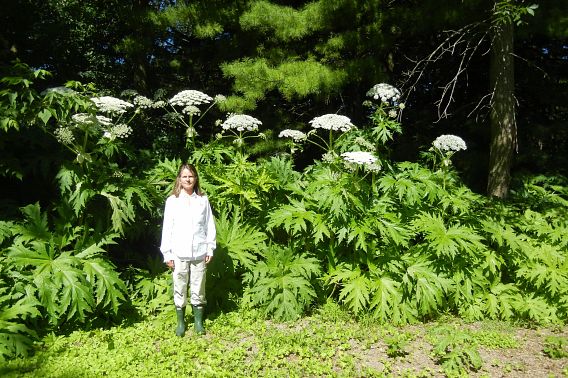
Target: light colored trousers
(194, 271)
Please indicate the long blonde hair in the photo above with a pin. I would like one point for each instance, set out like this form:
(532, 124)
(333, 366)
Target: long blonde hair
(177, 185)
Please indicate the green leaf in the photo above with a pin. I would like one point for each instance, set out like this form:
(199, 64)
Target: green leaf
(293, 217)
(282, 284)
(45, 116)
(240, 240)
(109, 288)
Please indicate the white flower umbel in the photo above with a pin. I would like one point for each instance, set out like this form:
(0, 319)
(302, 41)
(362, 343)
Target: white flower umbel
(159, 104)
(333, 122)
(449, 143)
(363, 159)
(296, 135)
(359, 157)
(121, 131)
(191, 110)
(220, 98)
(241, 122)
(111, 105)
(385, 92)
(142, 102)
(190, 97)
(64, 135)
(84, 119)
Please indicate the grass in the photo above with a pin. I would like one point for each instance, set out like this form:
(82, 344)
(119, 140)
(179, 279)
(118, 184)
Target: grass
(241, 344)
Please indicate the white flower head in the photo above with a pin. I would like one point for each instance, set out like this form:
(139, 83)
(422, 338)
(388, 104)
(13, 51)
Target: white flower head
(385, 92)
(359, 157)
(449, 143)
(220, 98)
(159, 104)
(241, 122)
(363, 159)
(392, 113)
(142, 102)
(334, 122)
(105, 121)
(85, 119)
(111, 105)
(121, 131)
(191, 110)
(296, 135)
(64, 135)
(329, 157)
(190, 97)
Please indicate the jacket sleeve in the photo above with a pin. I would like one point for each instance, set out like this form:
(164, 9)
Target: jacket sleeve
(167, 231)
(211, 231)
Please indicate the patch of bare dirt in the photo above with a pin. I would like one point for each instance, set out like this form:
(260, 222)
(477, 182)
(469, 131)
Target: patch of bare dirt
(526, 359)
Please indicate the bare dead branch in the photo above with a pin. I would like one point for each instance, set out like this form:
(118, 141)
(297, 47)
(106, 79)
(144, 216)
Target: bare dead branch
(465, 43)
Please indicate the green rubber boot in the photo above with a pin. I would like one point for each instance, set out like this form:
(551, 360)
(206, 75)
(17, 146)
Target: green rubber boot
(198, 319)
(180, 329)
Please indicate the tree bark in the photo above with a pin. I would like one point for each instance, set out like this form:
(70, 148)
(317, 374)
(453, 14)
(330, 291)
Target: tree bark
(503, 123)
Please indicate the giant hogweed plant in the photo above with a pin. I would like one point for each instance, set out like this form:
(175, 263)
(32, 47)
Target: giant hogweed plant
(411, 242)
(65, 267)
(100, 189)
(17, 307)
(282, 283)
(53, 277)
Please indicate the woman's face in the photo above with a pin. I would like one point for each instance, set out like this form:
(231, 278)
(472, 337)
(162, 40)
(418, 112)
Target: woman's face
(187, 179)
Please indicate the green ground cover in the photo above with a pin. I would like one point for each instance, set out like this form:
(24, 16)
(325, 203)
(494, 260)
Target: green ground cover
(327, 343)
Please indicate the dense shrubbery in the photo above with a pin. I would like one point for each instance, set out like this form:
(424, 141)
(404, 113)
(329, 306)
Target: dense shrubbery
(401, 242)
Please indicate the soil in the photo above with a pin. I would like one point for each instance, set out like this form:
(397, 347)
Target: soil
(527, 359)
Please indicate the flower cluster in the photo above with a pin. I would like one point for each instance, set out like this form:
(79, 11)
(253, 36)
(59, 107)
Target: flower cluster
(362, 158)
(159, 104)
(334, 122)
(385, 92)
(191, 110)
(449, 143)
(64, 135)
(190, 97)
(220, 98)
(121, 130)
(296, 135)
(359, 157)
(85, 119)
(111, 105)
(241, 122)
(329, 157)
(142, 102)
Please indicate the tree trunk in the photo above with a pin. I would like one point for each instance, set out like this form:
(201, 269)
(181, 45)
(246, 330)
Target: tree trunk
(503, 125)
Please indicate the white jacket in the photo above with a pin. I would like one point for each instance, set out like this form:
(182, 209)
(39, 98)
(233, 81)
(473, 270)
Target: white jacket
(189, 231)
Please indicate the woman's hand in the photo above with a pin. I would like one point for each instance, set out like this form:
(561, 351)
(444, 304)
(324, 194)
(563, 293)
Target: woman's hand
(208, 259)
(170, 264)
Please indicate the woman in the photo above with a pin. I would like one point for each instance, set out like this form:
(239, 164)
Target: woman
(188, 242)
